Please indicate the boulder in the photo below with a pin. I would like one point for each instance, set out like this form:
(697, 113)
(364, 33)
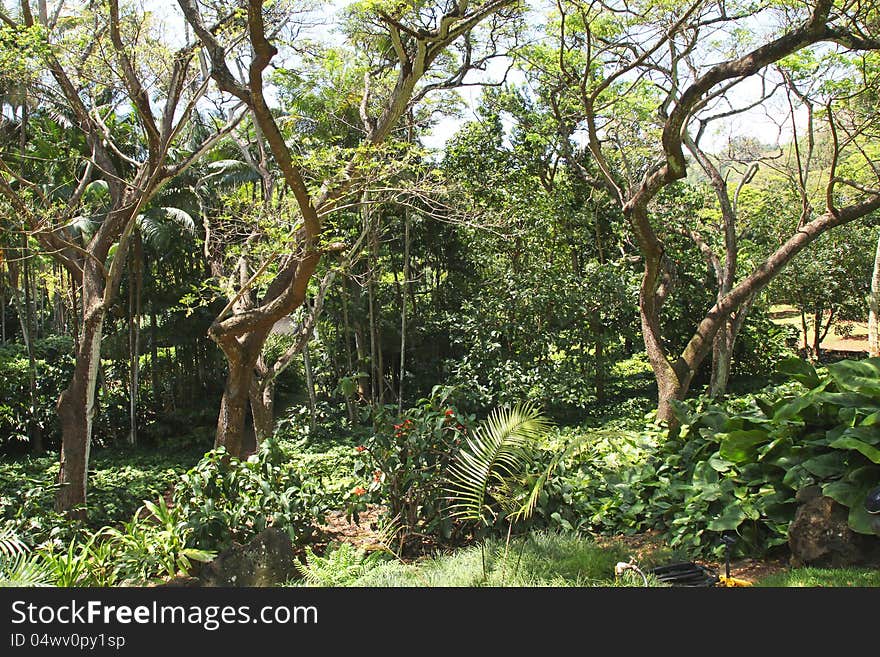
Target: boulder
(267, 560)
(820, 536)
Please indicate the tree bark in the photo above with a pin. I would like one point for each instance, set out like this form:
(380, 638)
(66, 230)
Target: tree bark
(310, 388)
(134, 333)
(874, 306)
(76, 411)
(241, 359)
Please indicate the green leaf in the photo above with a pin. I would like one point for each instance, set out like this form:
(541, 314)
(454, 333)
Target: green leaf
(730, 519)
(740, 446)
(842, 492)
(857, 375)
(848, 442)
(799, 370)
(826, 465)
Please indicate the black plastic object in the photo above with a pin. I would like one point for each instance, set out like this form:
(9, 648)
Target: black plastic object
(685, 573)
(872, 501)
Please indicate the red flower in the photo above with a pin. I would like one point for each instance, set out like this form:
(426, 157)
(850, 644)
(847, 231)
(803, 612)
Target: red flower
(377, 476)
(360, 448)
(360, 490)
(449, 412)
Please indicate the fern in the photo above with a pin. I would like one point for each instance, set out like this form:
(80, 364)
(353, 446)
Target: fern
(340, 565)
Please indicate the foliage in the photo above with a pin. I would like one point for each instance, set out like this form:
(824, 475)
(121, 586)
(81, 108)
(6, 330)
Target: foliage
(340, 565)
(737, 467)
(54, 366)
(489, 471)
(225, 499)
(404, 464)
(18, 567)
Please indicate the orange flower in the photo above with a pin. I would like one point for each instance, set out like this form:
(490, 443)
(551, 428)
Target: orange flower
(360, 448)
(377, 476)
(360, 490)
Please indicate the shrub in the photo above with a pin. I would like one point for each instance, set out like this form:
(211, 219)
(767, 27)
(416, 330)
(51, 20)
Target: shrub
(54, 368)
(736, 467)
(225, 499)
(404, 464)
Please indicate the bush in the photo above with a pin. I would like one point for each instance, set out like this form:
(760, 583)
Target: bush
(404, 464)
(224, 499)
(54, 369)
(737, 467)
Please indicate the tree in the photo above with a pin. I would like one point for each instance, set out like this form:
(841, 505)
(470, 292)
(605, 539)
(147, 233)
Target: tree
(112, 115)
(400, 45)
(639, 86)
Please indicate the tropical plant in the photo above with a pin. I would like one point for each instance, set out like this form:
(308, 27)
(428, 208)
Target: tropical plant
(18, 565)
(404, 464)
(225, 499)
(485, 481)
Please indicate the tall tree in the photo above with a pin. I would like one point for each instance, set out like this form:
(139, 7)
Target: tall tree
(101, 73)
(400, 44)
(639, 78)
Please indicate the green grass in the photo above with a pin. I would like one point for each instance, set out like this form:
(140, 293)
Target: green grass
(824, 577)
(539, 559)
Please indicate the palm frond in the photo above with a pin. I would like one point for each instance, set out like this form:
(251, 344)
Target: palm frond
(10, 543)
(18, 567)
(24, 570)
(500, 450)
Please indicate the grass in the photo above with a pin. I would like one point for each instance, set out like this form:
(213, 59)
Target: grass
(823, 577)
(536, 560)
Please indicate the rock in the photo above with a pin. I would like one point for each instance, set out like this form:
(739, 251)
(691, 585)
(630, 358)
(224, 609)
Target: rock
(180, 581)
(820, 536)
(268, 560)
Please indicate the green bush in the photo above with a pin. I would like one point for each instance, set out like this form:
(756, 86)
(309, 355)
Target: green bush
(224, 499)
(404, 465)
(736, 467)
(54, 369)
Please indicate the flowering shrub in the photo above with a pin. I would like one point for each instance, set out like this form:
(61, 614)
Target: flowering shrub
(403, 466)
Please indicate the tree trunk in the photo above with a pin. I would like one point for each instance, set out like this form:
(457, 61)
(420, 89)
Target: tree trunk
(874, 306)
(154, 357)
(262, 398)
(76, 410)
(722, 354)
(406, 272)
(310, 386)
(233, 405)
(817, 334)
(35, 432)
(134, 333)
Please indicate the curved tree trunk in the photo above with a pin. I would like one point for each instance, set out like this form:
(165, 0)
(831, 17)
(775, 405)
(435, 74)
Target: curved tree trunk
(241, 361)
